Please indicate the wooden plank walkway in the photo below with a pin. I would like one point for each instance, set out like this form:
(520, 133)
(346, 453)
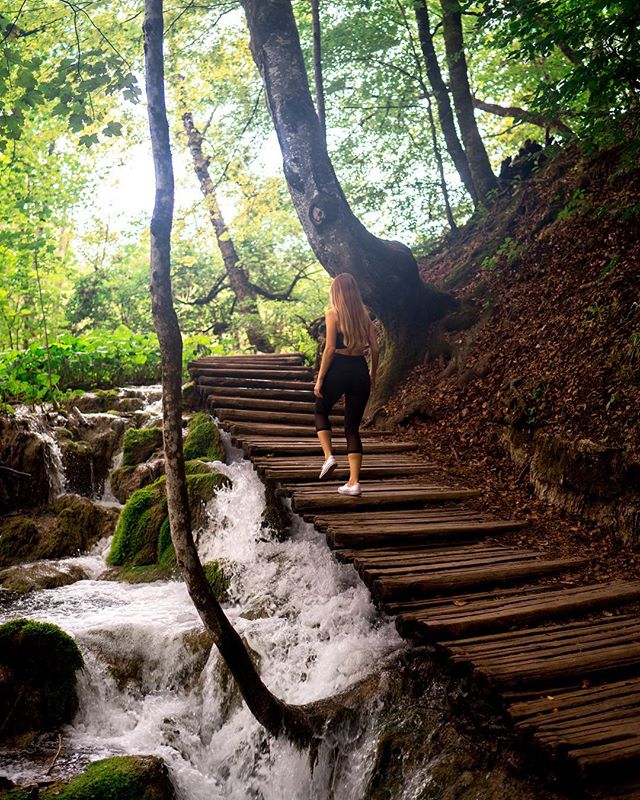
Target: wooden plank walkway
(562, 659)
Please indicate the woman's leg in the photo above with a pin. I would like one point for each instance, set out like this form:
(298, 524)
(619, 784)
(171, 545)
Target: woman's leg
(331, 391)
(354, 406)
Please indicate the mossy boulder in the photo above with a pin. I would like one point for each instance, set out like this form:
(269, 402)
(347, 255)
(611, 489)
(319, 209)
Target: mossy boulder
(23, 450)
(38, 665)
(217, 579)
(191, 398)
(94, 402)
(126, 480)
(140, 444)
(143, 536)
(24, 578)
(117, 778)
(203, 439)
(69, 527)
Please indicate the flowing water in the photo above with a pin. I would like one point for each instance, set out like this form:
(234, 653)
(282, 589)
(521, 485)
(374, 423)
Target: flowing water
(150, 685)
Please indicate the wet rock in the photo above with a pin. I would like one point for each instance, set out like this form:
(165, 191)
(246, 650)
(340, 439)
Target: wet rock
(121, 777)
(142, 536)
(92, 402)
(41, 575)
(88, 448)
(24, 451)
(218, 580)
(203, 439)
(69, 527)
(126, 480)
(38, 665)
(191, 399)
(140, 444)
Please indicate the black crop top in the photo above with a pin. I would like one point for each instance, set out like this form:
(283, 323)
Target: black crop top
(340, 345)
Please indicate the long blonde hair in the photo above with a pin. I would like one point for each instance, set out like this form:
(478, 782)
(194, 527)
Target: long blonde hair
(353, 317)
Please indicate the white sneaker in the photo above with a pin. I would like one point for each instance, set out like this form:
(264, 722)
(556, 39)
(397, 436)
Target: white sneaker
(328, 467)
(352, 491)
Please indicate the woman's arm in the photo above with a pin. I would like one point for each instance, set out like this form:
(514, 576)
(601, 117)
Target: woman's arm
(329, 350)
(375, 353)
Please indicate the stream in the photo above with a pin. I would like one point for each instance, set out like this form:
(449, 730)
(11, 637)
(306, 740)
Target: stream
(151, 686)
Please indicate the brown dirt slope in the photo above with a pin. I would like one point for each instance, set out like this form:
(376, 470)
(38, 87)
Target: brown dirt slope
(552, 274)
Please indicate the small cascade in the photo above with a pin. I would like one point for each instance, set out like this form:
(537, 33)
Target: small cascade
(152, 683)
(53, 454)
(107, 495)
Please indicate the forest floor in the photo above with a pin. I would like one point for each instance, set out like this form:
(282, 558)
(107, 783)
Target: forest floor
(553, 276)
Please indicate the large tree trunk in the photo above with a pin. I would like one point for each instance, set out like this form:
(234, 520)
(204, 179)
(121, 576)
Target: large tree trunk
(386, 271)
(236, 273)
(317, 64)
(483, 177)
(439, 88)
(276, 716)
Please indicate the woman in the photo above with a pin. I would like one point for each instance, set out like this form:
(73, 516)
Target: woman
(343, 371)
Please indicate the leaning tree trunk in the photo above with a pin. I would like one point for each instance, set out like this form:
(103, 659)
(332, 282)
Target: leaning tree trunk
(483, 177)
(276, 716)
(386, 271)
(441, 95)
(317, 64)
(236, 273)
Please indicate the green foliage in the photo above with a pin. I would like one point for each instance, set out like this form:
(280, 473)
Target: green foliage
(96, 360)
(509, 252)
(140, 444)
(203, 439)
(217, 579)
(536, 404)
(40, 662)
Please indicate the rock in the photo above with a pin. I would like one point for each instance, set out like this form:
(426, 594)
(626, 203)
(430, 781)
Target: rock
(23, 450)
(92, 402)
(69, 527)
(38, 665)
(88, 447)
(217, 579)
(140, 444)
(116, 778)
(142, 536)
(41, 575)
(191, 398)
(126, 480)
(203, 439)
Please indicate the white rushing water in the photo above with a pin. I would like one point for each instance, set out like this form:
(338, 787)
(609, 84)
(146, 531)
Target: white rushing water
(149, 686)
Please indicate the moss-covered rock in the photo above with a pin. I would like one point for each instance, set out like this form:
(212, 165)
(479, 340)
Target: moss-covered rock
(117, 778)
(203, 439)
(38, 665)
(142, 536)
(93, 402)
(140, 444)
(217, 579)
(24, 578)
(191, 398)
(69, 527)
(126, 480)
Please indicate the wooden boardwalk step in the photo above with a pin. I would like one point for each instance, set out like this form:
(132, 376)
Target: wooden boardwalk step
(499, 612)
(449, 581)
(553, 654)
(395, 496)
(288, 373)
(304, 421)
(254, 445)
(209, 385)
(419, 532)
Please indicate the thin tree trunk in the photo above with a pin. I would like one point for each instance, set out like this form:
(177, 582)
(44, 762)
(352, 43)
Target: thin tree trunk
(483, 177)
(276, 716)
(236, 273)
(386, 271)
(441, 95)
(317, 64)
(438, 157)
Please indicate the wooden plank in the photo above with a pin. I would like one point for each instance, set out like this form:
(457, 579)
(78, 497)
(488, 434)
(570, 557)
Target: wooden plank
(209, 384)
(423, 532)
(394, 498)
(400, 587)
(289, 373)
(304, 421)
(501, 614)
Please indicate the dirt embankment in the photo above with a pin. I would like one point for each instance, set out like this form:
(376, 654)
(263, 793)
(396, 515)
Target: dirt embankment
(547, 352)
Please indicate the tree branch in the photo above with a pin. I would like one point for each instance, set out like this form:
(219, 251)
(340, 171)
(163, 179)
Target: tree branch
(211, 295)
(286, 295)
(522, 114)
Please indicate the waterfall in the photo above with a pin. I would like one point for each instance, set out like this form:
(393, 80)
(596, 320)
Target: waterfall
(53, 454)
(152, 684)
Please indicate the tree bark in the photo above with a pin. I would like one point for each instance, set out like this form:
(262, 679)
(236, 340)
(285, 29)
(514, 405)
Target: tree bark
(317, 64)
(236, 273)
(276, 716)
(441, 95)
(438, 156)
(483, 177)
(386, 271)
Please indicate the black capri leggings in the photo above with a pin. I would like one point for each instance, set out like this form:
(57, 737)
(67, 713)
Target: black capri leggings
(348, 376)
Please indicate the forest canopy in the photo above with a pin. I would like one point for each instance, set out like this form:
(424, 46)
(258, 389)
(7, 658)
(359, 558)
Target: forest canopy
(424, 100)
